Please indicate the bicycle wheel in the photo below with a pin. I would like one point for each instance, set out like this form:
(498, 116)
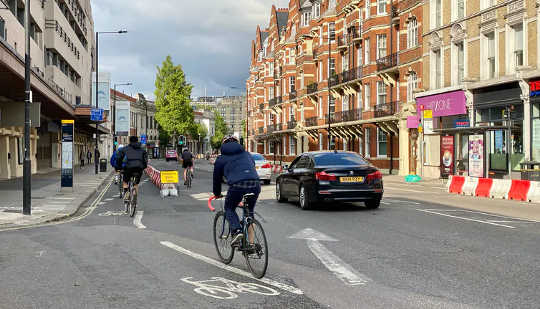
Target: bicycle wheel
(222, 238)
(132, 200)
(188, 178)
(257, 257)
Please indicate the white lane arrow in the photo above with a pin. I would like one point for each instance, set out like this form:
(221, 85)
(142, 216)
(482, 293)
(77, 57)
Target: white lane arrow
(332, 262)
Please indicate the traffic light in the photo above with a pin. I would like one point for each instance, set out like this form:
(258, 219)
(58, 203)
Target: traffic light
(181, 140)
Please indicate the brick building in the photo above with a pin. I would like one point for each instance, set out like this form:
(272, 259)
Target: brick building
(329, 74)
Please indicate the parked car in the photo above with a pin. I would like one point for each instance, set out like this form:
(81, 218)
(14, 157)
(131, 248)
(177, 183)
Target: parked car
(330, 176)
(264, 168)
(171, 155)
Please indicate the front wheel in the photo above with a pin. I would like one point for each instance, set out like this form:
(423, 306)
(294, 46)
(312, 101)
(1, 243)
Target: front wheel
(373, 204)
(222, 238)
(279, 195)
(257, 252)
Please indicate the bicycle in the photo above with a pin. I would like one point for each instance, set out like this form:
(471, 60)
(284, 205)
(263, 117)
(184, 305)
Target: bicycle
(221, 288)
(254, 246)
(118, 179)
(131, 201)
(189, 178)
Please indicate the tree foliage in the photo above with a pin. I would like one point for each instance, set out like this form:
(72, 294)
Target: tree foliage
(198, 130)
(173, 111)
(220, 131)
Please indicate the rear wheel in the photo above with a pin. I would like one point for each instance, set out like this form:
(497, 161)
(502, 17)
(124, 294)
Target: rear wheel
(222, 239)
(373, 204)
(257, 253)
(279, 196)
(266, 181)
(132, 201)
(304, 198)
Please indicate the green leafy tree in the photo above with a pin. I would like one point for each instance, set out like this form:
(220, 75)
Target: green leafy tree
(244, 128)
(220, 131)
(173, 111)
(197, 131)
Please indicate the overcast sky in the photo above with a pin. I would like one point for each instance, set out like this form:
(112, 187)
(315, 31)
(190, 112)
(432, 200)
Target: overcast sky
(211, 39)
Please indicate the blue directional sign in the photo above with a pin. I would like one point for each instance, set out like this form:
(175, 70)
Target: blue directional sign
(143, 139)
(96, 114)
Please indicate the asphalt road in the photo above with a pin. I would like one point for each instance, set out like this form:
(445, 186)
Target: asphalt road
(407, 254)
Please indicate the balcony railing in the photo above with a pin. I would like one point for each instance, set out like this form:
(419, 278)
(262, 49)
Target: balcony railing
(516, 6)
(387, 62)
(342, 41)
(345, 76)
(351, 35)
(261, 130)
(386, 109)
(333, 80)
(271, 128)
(345, 116)
(311, 88)
(261, 106)
(272, 102)
(311, 121)
(292, 95)
(291, 124)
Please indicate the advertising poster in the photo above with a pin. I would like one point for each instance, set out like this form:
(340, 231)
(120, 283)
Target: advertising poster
(122, 118)
(67, 154)
(447, 155)
(476, 155)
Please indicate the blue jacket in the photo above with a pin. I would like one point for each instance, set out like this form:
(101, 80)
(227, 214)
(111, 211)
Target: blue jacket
(113, 159)
(235, 164)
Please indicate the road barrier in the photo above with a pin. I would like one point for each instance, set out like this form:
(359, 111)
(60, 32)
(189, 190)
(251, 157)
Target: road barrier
(456, 184)
(519, 190)
(512, 189)
(484, 187)
(166, 181)
(469, 187)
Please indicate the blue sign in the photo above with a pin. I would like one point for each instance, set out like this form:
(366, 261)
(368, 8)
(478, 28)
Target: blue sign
(96, 114)
(143, 139)
(462, 123)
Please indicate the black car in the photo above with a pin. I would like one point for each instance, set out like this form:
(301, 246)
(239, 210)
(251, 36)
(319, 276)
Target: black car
(330, 176)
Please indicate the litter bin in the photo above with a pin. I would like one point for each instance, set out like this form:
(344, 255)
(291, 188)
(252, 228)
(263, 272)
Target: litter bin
(530, 170)
(103, 165)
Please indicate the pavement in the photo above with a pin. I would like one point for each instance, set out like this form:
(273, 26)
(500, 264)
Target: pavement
(49, 201)
(409, 253)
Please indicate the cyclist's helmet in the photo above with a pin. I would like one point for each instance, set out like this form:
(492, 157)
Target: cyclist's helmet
(229, 138)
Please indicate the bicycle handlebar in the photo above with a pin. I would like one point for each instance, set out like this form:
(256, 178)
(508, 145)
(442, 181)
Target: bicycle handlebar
(210, 202)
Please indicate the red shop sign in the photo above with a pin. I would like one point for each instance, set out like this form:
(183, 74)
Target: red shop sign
(447, 155)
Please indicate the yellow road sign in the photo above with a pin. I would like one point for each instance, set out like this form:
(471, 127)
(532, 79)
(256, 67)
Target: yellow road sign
(169, 176)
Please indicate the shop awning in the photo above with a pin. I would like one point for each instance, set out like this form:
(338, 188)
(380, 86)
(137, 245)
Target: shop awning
(473, 129)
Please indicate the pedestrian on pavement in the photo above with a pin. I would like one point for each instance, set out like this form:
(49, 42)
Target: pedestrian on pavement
(81, 158)
(89, 156)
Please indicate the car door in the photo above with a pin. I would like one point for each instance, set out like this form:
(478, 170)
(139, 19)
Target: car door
(287, 182)
(299, 172)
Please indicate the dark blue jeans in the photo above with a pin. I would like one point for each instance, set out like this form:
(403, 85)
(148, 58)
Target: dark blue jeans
(234, 197)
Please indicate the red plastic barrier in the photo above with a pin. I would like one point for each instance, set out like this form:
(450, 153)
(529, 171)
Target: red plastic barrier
(456, 186)
(484, 187)
(519, 190)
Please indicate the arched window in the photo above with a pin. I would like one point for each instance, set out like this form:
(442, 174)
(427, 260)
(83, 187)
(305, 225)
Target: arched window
(412, 33)
(412, 83)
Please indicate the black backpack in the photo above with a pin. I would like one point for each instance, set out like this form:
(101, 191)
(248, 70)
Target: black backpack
(133, 157)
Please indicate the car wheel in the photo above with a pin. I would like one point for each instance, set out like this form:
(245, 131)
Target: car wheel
(304, 198)
(266, 181)
(279, 197)
(373, 204)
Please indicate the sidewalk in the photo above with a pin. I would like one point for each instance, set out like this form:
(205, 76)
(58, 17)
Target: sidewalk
(49, 203)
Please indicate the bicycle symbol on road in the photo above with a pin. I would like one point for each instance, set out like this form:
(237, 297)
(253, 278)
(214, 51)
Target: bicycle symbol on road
(112, 213)
(221, 288)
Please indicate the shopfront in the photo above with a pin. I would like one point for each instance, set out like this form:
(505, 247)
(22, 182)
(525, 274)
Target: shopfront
(498, 111)
(534, 87)
(443, 119)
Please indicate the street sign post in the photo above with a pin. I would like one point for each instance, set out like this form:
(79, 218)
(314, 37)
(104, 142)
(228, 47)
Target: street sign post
(96, 114)
(143, 139)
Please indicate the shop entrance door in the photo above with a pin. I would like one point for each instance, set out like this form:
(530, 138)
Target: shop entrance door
(413, 139)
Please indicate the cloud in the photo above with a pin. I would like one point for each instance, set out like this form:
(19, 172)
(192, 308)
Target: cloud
(211, 39)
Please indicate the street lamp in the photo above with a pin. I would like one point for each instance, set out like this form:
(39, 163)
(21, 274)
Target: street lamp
(97, 90)
(114, 113)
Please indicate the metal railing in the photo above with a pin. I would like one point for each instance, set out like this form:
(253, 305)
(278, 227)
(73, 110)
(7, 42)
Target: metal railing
(345, 116)
(387, 62)
(272, 101)
(291, 124)
(261, 106)
(271, 128)
(386, 109)
(311, 121)
(292, 95)
(311, 88)
(333, 80)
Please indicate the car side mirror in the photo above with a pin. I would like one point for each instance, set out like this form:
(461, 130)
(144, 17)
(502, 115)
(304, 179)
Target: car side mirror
(286, 167)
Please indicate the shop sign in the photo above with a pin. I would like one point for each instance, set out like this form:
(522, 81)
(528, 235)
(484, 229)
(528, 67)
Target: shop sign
(476, 155)
(534, 88)
(447, 155)
(412, 122)
(444, 104)
(462, 123)
(428, 113)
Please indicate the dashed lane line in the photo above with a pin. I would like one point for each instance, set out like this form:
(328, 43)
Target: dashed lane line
(432, 211)
(235, 270)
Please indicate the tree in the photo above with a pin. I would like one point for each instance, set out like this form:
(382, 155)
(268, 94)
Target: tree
(243, 134)
(220, 131)
(173, 111)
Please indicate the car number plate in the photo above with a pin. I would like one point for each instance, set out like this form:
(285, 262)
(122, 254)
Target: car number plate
(351, 179)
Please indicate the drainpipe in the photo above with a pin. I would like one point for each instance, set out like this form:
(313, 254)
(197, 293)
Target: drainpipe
(391, 88)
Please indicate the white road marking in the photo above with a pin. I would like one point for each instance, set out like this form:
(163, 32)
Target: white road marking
(112, 213)
(40, 253)
(137, 221)
(488, 214)
(235, 270)
(332, 262)
(201, 196)
(109, 199)
(227, 289)
(408, 190)
(400, 201)
(463, 218)
(63, 198)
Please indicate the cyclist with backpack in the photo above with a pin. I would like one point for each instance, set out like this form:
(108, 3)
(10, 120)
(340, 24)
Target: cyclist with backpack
(132, 160)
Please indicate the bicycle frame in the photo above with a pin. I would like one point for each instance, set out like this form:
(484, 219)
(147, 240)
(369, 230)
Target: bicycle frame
(244, 221)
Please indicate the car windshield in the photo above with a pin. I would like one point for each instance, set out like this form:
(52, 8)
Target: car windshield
(257, 157)
(340, 158)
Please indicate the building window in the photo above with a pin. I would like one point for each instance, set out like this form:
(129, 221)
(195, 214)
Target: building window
(320, 107)
(316, 10)
(359, 104)
(437, 68)
(381, 45)
(518, 45)
(412, 33)
(320, 141)
(460, 62)
(359, 54)
(332, 68)
(2, 28)
(381, 93)
(368, 7)
(291, 114)
(412, 83)
(367, 94)
(292, 146)
(438, 13)
(367, 145)
(306, 17)
(345, 103)
(491, 54)
(332, 103)
(381, 7)
(332, 32)
(366, 51)
(460, 9)
(382, 150)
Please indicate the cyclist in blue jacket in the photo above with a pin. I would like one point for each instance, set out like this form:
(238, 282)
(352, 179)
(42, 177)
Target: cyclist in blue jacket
(113, 164)
(238, 167)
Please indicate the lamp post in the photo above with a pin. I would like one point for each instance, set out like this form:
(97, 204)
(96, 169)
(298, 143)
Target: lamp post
(27, 164)
(114, 113)
(97, 90)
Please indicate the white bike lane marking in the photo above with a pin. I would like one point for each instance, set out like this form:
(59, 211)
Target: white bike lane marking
(222, 288)
(137, 221)
(235, 270)
(332, 262)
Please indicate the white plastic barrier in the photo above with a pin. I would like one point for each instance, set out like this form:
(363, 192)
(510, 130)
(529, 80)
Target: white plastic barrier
(448, 183)
(469, 187)
(534, 192)
(500, 188)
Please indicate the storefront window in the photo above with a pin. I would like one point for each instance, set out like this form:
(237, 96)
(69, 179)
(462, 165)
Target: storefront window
(536, 132)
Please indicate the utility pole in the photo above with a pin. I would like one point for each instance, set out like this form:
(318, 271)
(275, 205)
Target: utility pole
(27, 165)
(97, 104)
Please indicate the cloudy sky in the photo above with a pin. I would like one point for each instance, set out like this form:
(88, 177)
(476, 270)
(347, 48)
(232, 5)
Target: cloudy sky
(211, 39)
